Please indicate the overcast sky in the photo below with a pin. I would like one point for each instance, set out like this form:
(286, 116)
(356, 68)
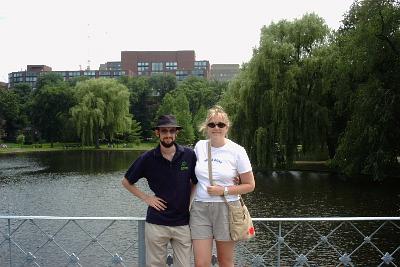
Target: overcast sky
(66, 34)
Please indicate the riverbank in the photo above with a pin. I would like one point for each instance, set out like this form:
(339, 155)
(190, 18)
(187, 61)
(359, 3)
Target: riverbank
(312, 166)
(11, 148)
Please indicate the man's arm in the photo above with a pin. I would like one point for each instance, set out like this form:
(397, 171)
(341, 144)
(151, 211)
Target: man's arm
(152, 201)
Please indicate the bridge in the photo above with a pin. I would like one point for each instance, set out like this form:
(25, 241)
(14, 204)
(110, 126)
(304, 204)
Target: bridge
(119, 241)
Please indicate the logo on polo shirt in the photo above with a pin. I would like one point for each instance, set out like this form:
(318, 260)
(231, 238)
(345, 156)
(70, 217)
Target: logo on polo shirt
(184, 166)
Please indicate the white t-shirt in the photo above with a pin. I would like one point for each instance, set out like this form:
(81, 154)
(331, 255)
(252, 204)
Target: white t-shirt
(227, 162)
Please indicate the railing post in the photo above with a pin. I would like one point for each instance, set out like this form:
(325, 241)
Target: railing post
(9, 240)
(279, 244)
(142, 244)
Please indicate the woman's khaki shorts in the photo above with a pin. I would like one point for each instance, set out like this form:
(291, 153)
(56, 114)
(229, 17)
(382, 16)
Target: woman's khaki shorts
(209, 220)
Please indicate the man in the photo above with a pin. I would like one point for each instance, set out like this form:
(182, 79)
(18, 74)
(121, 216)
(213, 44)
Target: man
(169, 170)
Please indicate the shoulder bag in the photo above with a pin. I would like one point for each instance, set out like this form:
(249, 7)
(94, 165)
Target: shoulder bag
(240, 223)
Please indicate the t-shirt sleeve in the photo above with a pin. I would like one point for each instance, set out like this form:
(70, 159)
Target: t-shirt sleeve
(243, 161)
(136, 170)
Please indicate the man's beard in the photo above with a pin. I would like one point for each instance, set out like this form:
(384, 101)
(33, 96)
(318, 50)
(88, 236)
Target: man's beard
(167, 145)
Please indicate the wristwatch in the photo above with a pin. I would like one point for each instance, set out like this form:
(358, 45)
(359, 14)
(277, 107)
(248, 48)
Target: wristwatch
(225, 191)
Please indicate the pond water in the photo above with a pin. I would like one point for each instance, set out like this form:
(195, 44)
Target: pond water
(87, 183)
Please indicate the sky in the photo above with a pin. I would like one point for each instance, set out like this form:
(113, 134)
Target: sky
(69, 35)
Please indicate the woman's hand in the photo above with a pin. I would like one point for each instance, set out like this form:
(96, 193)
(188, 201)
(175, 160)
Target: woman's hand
(215, 190)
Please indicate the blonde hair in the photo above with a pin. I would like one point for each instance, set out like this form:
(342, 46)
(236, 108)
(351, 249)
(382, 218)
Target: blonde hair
(214, 111)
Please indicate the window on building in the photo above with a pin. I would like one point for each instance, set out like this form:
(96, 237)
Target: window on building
(171, 65)
(119, 73)
(143, 66)
(74, 73)
(200, 64)
(156, 66)
(104, 73)
(89, 73)
(61, 73)
(181, 75)
(198, 73)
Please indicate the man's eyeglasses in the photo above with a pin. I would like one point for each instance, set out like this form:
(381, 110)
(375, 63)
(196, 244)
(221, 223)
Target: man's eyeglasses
(219, 124)
(165, 131)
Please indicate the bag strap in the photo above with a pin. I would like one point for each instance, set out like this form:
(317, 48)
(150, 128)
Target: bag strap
(209, 163)
(210, 172)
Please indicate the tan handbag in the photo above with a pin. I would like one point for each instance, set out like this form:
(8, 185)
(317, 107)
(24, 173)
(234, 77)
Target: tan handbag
(240, 223)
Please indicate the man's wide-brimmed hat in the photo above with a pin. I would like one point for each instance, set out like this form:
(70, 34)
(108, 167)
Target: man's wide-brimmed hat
(167, 121)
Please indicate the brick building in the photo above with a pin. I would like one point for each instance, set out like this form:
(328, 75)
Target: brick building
(179, 63)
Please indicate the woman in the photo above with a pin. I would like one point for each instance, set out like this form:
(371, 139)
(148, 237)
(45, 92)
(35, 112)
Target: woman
(209, 213)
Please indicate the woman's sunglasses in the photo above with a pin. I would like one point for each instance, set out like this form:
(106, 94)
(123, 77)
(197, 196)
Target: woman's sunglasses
(219, 124)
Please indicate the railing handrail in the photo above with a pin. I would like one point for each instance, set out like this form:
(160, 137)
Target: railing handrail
(264, 219)
(272, 250)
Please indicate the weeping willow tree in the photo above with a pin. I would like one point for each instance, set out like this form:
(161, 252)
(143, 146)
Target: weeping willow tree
(102, 110)
(275, 102)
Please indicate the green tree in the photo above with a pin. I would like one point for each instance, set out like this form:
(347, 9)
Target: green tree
(178, 105)
(102, 110)
(201, 95)
(73, 81)
(134, 134)
(369, 42)
(48, 79)
(198, 119)
(9, 114)
(20, 139)
(50, 111)
(276, 101)
(162, 84)
(144, 102)
(23, 91)
(200, 92)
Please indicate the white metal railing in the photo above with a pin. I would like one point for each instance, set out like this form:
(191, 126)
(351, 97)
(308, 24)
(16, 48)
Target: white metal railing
(119, 241)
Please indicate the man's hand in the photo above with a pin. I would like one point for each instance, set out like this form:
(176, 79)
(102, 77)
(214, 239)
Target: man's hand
(215, 190)
(156, 203)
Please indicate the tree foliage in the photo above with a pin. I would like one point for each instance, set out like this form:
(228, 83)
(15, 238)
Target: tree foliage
(146, 94)
(50, 110)
(9, 113)
(201, 95)
(311, 87)
(102, 110)
(277, 99)
(48, 79)
(370, 43)
(178, 105)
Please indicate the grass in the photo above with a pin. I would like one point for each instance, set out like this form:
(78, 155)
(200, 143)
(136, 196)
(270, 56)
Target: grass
(16, 148)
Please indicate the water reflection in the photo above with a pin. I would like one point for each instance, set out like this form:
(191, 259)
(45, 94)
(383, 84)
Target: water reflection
(313, 194)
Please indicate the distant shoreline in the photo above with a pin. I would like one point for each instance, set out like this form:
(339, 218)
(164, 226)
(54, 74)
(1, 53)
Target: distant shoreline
(14, 149)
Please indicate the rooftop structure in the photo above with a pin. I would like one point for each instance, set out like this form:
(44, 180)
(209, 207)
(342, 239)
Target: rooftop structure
(224, 72)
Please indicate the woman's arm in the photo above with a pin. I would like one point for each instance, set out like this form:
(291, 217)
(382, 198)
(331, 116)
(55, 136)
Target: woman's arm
(247, 185)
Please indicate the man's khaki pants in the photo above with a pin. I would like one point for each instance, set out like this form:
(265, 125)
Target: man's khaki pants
(157, 238)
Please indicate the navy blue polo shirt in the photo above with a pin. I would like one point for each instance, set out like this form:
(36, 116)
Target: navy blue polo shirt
(169, 180)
